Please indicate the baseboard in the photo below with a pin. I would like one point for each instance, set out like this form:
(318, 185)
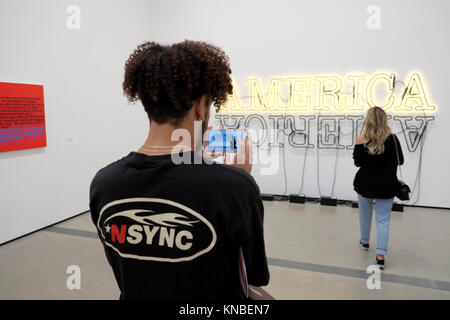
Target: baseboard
(274, 197)
(29, 233)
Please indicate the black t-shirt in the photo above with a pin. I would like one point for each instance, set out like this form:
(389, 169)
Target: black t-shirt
(174, 231)
(377, 176)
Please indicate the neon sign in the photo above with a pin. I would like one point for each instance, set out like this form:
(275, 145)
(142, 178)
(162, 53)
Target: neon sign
(294, 105)
(326, 93)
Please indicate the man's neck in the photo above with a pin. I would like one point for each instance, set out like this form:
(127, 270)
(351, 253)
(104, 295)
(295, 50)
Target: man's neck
(159, 140)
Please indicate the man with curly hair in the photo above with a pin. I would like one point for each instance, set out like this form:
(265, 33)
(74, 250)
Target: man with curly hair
(188, 230)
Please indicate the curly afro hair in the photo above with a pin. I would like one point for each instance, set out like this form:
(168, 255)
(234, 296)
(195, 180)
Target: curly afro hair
(167, 79)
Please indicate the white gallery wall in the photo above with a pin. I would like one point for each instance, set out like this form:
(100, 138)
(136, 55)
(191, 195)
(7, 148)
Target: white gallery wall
(90, 124)
(88, 121)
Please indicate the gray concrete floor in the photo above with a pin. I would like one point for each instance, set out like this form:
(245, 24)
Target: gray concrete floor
(312, 250)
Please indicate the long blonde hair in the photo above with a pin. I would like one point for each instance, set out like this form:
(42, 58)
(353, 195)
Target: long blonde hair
(376, 130)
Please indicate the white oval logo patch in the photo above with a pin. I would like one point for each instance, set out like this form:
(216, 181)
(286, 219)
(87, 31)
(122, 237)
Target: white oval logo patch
(155, 229)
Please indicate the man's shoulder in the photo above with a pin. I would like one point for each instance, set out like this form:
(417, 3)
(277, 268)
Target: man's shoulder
(108, 171)
(231, 176)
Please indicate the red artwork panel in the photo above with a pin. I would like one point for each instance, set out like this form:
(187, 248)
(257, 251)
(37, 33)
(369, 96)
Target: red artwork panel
(22, 116)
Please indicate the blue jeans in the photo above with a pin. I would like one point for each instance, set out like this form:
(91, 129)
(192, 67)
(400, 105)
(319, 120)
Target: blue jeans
(382, 217)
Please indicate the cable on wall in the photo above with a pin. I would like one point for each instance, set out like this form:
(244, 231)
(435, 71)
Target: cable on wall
(336, 160)
(304, 164)
(418, 178)
(318, 164)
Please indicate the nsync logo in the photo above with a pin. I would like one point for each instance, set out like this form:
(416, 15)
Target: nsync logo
(155, 229)
(136, 233)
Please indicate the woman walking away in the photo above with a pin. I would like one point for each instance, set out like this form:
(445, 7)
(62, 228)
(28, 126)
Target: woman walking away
(376, 180)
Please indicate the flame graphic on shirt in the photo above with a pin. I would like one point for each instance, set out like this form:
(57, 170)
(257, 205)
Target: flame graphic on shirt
(166, 213)
(168, 219)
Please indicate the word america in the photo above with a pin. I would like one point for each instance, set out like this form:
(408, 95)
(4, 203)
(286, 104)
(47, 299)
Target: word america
(325, 93)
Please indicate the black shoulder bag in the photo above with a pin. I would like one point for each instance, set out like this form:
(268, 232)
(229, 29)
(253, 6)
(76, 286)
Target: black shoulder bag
(403, 189)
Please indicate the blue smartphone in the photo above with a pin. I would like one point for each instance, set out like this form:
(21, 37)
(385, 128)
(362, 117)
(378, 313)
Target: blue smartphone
(224, 140)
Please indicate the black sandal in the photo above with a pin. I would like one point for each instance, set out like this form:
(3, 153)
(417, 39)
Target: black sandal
(380, 263)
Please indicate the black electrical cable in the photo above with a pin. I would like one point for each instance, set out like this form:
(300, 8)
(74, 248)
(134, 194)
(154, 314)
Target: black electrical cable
(304, 164)
(336, 160)
(318, 162)
(285, 146)
(284, 165)
(418, 178)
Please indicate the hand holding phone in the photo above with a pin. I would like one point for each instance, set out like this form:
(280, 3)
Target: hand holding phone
(244, 156)
(228, 147)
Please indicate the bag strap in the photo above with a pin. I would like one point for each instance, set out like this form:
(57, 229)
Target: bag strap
(396, 148)
(398, 157)
(243, 273)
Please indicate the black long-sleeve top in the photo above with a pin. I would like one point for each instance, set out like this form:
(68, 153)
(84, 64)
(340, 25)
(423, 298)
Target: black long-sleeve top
(377, 175)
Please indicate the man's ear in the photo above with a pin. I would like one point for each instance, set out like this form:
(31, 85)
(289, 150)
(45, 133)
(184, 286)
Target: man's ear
(200, 108)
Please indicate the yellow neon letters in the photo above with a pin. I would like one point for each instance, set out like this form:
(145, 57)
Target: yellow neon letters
(326, 94)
